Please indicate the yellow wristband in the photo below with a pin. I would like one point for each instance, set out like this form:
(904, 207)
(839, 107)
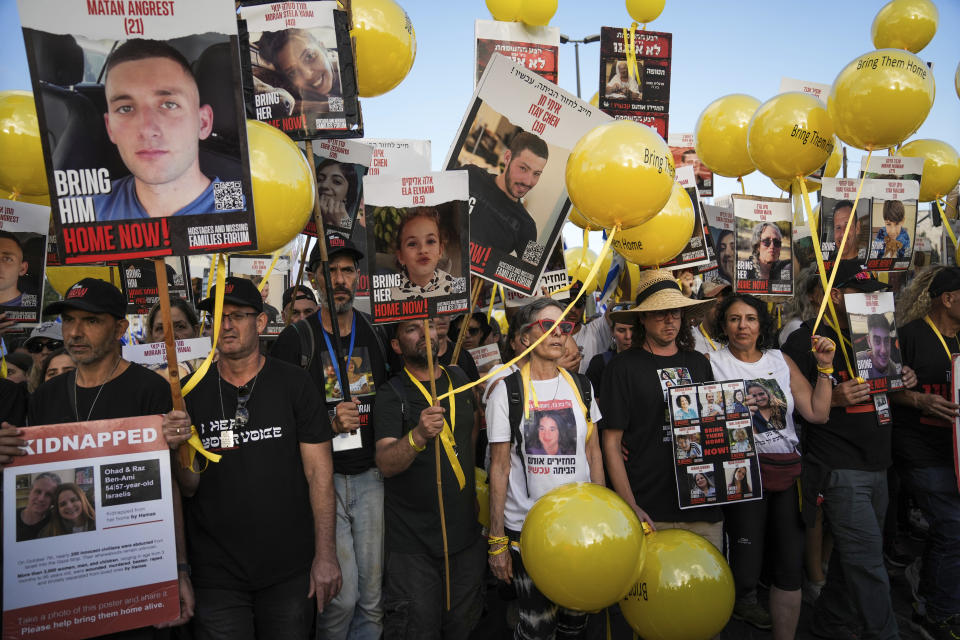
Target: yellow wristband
(414, 444)
(826, 370)
(496, 552)
(498, 540)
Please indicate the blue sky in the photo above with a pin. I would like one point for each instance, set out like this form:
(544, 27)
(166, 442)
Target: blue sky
(720, 47)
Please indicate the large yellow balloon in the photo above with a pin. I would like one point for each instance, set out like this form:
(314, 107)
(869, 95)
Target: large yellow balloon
(62, 278)
(385, 43)
(831, 170)
(43, 199)
(905, 24)
(283, 186)
(644, 11)
(790, 135)
(504, 10)
(720, 135)
(880, 99)
(941, 167)
(620, 173)
(21, 154)
(685, 590)
(483, 496)
(582, 546)
(579, 261)
(662, 237)
(537, 13)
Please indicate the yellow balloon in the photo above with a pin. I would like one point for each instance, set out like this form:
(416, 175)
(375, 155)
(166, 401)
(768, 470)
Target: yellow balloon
(595, 100)
(685, 590)
(43, 199)
(831, 170)
(880, 99)
(385, 43)
(537, 13)
(644, 11)
(620, 173)
(790, 135)
(662, 237)
(941, 167)
(483, 496)
(579, 261)
(578, 219)
(62, 278)
(21, 154)
(905, 24)
(720, 135)
(582, 546)
(283, 186)
(504, 10)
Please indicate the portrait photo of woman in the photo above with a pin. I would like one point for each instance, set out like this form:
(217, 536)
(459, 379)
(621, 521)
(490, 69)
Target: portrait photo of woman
(72, 512)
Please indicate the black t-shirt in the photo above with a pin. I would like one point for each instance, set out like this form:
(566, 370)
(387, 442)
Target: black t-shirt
(30, 531)
(852, 438)
(14, 400)
(596, 366)
(135, 392)
(411, 512)
(632, 400)
(496, 220)
(250, 523)
(346, 461)
(464, 361)
(919, 440)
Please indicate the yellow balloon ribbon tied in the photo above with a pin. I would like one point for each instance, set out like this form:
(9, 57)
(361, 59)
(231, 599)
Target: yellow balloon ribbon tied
(446, 436)
(630, 45)
(593, 272)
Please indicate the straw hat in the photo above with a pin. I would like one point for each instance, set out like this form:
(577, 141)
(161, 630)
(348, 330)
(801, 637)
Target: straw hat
(657, 290)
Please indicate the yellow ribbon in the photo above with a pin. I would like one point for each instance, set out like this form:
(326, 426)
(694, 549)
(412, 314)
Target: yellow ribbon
(743, 189)
(946, 223)
(940, 337)
(707, 337)
(507, 365)
(446, 436)
(273, 263)
(530, 392)
(630, 45)
(3, 367)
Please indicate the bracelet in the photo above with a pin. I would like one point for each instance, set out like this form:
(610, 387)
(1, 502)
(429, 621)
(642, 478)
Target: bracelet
(496, 552)
(498, 540)
(414, 444)
(826, 370)
(183, 566)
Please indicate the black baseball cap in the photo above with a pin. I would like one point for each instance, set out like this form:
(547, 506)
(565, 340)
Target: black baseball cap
(851, 274)
(238, 291)
(946, 280)
(337, 243)
(93, 295)
(303, 293)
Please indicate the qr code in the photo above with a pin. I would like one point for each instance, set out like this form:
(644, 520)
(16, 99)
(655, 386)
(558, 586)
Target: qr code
(336, 104)
(228, 196)
(533, 252)
(459, 285)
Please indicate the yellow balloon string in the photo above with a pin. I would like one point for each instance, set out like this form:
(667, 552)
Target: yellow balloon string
(946, 223)
(593, 272)
(583, 255)
(821, 269)
(211, 278)
(3, 367)
(630, 43)
(743, 189)
(273, 263)
(493, 298)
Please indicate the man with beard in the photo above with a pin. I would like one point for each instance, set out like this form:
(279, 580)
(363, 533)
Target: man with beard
(356, 611)
(498, 218)
(407, 430)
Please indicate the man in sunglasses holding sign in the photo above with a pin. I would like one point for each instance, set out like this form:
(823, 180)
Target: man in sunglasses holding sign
(261, 521)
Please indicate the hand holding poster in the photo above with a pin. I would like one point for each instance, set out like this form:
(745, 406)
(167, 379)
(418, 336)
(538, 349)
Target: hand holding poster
(303, 74)
(105, 558)
(23, 246)
(622, 95)
(418, 226)
(129, 175)
(535, 48)
(527, 126)
(873, 331)
(764, 235)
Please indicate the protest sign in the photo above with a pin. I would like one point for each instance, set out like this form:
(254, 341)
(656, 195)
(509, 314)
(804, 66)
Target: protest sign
(106, 559)
(535, 48)
(873, 332)
(23, 248)
(255, 268)
(694, 254)
(645, 97)
(155, 353)
(140, 282)
(340, 167)
(685, 154)
(764, 240)
(123, 187)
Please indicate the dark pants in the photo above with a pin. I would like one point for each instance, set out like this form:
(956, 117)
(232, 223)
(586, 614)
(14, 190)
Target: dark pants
(541, 619)
(857, 592)
(935, 490)
(414, 594)
(772, 524)
(279, 612)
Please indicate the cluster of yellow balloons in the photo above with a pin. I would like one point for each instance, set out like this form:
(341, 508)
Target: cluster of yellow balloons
(661, 238)
(535, 13)
(941, 167)
(579, 261)
(905, 24)
(386, 45)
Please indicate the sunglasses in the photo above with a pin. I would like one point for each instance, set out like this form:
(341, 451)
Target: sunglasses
(49, 345)
(242, 417)
(777, 242)
(473, 331)
(564, 326)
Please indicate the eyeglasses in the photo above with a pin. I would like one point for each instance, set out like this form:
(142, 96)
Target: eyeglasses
(49, 345)
(242, 417)
(565, 326)
(777, 242)
(661, 314)
(238, 316)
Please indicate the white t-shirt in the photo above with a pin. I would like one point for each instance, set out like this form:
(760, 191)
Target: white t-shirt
(771, 371)
(701, 345)
(557, 458)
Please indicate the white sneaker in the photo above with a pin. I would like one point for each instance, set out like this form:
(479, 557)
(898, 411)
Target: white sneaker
(811, 590)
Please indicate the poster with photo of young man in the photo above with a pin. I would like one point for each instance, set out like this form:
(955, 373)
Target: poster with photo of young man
(23, 247)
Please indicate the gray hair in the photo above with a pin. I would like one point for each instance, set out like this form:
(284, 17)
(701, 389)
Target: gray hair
(758, 231)
(529, 311)
(50, 476)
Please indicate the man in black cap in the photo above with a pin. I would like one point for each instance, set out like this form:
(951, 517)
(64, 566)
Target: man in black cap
(296, 308)
(923, 422)
(845, 471)
(261, 520)
(359, 485)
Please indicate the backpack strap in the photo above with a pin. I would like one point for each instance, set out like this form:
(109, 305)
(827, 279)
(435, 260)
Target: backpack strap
(514, 387)
(585, 392)
(308, 342)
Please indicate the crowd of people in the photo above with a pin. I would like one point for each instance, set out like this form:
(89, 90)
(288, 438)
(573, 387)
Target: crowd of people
(322, 517)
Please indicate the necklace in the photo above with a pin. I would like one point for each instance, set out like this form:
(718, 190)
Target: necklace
(76, 407)
(223, 413)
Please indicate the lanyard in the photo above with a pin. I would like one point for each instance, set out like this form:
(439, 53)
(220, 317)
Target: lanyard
(353, 338)
(446, 436)
(940, 337)
(530, 393)
(707, 337)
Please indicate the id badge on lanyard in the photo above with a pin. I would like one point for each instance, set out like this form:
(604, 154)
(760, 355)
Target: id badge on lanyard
(882, 406)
